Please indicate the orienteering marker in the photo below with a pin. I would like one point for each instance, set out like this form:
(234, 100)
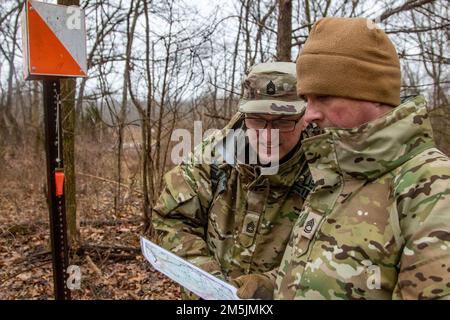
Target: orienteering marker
(54, 46)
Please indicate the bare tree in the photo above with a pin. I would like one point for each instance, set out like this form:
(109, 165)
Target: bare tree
(68, 116)
(284, 38)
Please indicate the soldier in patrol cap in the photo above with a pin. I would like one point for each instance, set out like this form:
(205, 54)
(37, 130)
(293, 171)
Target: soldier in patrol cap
(377, 223)
(230, 217)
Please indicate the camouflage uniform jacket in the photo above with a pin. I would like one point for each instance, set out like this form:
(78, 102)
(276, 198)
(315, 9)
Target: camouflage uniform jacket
(243, 227)
(377, 224)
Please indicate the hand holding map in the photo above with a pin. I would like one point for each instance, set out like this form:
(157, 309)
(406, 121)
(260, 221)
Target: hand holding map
(203, 284)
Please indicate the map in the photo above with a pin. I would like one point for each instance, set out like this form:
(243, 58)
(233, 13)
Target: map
(200, 282)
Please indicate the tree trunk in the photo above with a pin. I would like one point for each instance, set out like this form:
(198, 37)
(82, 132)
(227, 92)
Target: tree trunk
(68, 88)
(284, 37)
(9, 120)
(35, 118)
(133, 15)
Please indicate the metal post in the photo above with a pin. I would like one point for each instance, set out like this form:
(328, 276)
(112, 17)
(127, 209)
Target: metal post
(53, 148)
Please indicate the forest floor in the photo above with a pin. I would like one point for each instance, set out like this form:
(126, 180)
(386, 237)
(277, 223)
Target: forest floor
(108, 253)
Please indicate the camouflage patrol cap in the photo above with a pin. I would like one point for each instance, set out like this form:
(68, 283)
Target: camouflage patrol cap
(271, 88)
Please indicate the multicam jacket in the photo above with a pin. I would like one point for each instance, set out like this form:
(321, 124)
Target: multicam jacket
(377, 224)
(243, 227)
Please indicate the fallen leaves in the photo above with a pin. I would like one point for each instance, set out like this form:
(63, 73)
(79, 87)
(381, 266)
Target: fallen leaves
(113, 267)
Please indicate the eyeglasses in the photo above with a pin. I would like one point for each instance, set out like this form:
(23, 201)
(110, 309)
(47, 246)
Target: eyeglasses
(283, 125)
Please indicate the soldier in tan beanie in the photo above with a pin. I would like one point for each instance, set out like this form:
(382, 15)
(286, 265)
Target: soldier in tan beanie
(351, 58)
(354, 62)
(377, 223)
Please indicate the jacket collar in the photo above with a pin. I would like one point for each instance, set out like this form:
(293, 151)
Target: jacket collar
(371, 150)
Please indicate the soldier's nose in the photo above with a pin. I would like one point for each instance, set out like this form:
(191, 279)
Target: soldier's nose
(312, 114)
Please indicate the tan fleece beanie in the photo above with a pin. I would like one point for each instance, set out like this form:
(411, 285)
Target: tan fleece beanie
(351, 58)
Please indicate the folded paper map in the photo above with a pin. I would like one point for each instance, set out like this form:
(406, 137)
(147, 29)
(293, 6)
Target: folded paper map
(200, 282)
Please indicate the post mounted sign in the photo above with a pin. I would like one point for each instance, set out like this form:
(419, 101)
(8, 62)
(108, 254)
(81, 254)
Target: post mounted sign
(54, 47)
(54, 40)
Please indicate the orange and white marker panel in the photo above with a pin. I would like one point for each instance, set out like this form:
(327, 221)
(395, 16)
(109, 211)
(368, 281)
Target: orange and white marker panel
(54, 40)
